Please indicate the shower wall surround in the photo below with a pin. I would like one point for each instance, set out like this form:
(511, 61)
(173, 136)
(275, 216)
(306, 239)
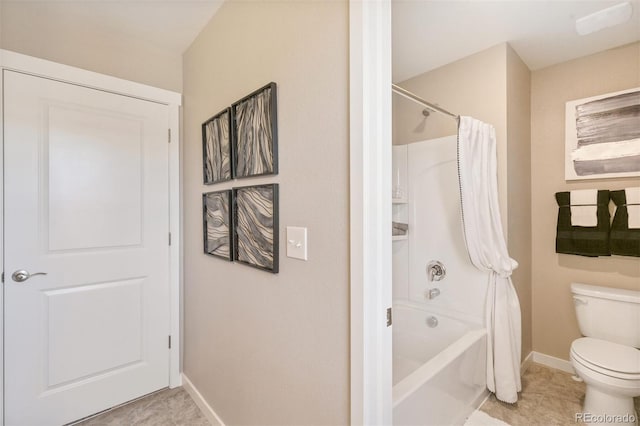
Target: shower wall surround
(492, 86)
(435, 232)
(400, 213)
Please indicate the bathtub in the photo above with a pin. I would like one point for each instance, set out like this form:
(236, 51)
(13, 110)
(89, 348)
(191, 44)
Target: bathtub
(438, 372)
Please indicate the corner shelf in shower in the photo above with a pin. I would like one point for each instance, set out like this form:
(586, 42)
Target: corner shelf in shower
(400, 214)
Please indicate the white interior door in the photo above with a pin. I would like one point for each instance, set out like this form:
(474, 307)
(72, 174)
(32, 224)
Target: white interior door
(87, 203)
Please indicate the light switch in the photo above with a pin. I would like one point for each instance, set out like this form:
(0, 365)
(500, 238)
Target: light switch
(297, 242)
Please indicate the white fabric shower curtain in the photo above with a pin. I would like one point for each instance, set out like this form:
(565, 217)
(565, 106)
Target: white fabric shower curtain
(487, 249)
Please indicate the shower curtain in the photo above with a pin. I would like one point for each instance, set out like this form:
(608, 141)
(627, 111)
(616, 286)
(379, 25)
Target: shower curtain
(477, 172)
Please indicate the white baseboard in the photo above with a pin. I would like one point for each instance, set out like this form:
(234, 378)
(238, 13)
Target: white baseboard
(526, 363)
(206, 409)
(553, 362)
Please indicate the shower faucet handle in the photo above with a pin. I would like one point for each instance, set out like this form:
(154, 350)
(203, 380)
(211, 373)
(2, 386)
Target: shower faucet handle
(436, 270)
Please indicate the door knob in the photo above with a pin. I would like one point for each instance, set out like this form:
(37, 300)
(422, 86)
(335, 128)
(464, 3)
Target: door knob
(22, 275)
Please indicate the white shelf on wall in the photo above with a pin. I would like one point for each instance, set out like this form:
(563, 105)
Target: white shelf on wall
(399, 194)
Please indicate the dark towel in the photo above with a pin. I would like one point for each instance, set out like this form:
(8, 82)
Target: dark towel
(583, 241)
(623, 241)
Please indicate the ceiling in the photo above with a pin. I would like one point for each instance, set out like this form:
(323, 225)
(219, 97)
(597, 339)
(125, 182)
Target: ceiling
(170, 25)
(430, 33)
(426, 33)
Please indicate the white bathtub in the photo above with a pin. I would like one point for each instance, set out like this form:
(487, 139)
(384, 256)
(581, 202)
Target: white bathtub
(438, 373)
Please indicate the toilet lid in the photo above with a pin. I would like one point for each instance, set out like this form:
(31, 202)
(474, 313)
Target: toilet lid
(608, 355)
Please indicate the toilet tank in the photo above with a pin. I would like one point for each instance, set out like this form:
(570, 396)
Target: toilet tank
(606, 313)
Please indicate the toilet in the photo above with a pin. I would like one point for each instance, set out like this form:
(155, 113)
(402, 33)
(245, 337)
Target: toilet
(607, 358)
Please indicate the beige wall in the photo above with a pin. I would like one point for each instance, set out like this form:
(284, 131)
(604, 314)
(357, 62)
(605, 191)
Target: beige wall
(473, 86)
(519, 185)
(554, 323)
(40, 29)
(262, 348)
(492, 86)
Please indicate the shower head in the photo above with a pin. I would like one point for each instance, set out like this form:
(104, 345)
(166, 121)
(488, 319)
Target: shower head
(426, 112)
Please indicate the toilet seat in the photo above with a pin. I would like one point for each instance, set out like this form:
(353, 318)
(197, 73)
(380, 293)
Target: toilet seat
(610, 359)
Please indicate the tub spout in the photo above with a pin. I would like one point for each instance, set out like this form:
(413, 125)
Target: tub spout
(432, 293)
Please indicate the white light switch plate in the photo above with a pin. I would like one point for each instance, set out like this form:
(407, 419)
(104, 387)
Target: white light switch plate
(297, 242)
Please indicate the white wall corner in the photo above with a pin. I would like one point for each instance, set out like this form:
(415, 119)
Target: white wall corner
(202, 404)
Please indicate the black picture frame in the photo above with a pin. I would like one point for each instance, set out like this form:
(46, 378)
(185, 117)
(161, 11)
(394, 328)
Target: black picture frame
(254, 120)
(217, 221)
(217, 148)
(256, 226)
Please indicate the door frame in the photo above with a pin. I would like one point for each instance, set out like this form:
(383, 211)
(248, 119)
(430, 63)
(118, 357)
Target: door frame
(42, 68)
(370, 211)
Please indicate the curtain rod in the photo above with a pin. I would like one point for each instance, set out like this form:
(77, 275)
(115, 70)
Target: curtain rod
(407, 94)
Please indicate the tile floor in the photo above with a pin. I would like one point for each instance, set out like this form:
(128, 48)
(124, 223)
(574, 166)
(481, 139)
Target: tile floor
(169, 407)
(549, 397)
